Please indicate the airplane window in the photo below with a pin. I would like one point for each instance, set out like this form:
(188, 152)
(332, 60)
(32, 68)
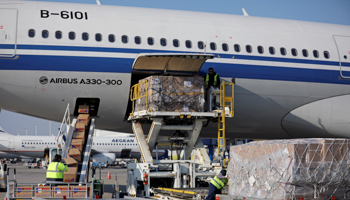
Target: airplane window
(30, 143)
(260, 49)
(283, 51)
(188, 44)
(163, 42)
(58, 34)
(237, 48)
(316, 55)
(22, 142)
(125, 39)
(248, 48)
(213, 46)
(272, 50)
(31, 33)
(294, 52)
(137, 40)
(111, 38)
(176, 43)
(224, 47)
(71, 35)
(98, 37)
(200, 45)
(85, 36)
(326, 54)
(305, 53)
(45, 142)
(36, 143)
(150, 41)
(45, 34)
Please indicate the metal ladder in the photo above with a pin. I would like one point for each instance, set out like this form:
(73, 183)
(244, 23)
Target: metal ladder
(225, 101)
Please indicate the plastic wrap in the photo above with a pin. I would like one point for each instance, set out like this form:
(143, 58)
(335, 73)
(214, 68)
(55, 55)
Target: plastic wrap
(290, 169)
(171, 93)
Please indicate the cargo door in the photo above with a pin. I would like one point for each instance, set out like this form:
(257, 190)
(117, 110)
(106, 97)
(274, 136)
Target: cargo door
(12, 143)
(8, 32)
(170, 63)
(343, 46)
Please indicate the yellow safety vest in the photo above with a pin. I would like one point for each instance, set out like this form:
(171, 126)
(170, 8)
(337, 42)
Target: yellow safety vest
(215, 79)
(55, 170)
(219, 184)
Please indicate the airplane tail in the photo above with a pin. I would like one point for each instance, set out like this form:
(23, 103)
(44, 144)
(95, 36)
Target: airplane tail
(2, 130)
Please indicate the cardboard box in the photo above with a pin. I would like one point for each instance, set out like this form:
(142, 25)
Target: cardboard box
(80, 127)
(75, 153)
(171, 93)
(83, 109)
(70, 175)
(60, 191)
(79, 135)
(80, 191)
(84, 118)
(71, 162)
(23, 191)
(42, 192)
(77, 143)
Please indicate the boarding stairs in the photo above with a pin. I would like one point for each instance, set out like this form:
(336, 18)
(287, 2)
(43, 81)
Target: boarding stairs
(65, 138)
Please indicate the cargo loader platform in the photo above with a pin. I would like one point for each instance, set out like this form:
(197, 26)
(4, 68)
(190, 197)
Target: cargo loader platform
(175, 104)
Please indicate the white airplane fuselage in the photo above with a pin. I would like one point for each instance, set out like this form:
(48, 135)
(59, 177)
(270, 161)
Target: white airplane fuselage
(51, 54)
(33, 146)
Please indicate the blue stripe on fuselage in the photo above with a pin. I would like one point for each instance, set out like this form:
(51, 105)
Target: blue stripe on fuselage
(136, 51)
(123, 65)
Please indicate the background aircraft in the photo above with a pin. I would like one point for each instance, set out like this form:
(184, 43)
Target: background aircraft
(103, 149)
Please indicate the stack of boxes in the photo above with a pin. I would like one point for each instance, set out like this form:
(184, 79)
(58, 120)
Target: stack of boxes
(171, 93)
(76, 147)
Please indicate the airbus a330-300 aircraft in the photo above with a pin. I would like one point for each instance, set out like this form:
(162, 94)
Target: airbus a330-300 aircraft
(292, 77)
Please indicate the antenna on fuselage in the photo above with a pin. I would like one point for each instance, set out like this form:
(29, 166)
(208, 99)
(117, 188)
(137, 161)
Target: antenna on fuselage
(244, 12)
(98, 2)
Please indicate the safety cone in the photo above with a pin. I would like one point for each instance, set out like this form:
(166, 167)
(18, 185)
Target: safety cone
(109, 175)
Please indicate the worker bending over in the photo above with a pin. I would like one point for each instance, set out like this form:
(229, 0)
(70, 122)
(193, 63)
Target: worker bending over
(217, 184)
(55, 170)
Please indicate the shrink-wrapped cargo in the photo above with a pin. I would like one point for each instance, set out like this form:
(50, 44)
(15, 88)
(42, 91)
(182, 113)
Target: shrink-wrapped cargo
(290, 169)
(171, 93)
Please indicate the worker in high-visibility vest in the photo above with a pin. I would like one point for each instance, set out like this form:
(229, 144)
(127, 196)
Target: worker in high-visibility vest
(211, 79)
(55, 170)
(217, 184)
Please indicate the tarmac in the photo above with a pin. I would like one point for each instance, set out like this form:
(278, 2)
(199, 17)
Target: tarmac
(25, 175)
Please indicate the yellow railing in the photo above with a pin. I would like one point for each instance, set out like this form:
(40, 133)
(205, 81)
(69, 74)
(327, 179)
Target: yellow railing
(224, 102)
(135, 94)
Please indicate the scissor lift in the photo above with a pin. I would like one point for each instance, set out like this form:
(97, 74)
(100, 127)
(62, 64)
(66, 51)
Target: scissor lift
(182, 171)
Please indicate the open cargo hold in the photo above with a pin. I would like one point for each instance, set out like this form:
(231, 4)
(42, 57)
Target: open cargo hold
(171, 93)
(290, 169)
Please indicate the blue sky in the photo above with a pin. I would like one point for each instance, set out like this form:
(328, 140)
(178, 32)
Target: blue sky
(325, 11)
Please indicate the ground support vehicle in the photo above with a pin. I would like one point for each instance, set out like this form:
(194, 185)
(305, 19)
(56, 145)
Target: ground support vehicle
(82, 188)
(31, 165)
(182, 174)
